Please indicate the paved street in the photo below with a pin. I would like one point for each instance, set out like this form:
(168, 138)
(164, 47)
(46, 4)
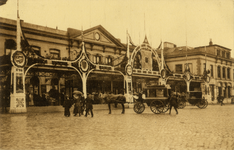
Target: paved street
(192, 128)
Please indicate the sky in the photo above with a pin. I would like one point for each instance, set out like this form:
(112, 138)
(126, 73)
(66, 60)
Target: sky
(182, 22)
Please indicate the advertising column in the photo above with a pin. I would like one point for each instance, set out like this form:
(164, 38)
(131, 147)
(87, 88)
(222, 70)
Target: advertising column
(128, 86)
(17, 96)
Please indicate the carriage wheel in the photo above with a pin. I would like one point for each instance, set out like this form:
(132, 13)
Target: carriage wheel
(139, 108)
(166, 107)
(202, 104)
(181, 105)
(157, 106)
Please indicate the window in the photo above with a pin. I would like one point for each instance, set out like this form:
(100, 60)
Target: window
(54, 53)
(228, 55)
(219, 71)
(233, 74)
(211, 71)
(218, 52)
(204, 67)
(109, 60)
(223, 54)
(97, 59)
(179, 68)
(190, 65)
(37, 50)
(229, 91)
(224, 72)
(146, 60)
(10, 45)
(228, 73)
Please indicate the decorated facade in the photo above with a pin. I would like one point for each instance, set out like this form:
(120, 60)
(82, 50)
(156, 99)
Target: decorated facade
(40, 65)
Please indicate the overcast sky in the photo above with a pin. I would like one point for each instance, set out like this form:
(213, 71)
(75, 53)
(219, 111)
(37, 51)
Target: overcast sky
(173, 21)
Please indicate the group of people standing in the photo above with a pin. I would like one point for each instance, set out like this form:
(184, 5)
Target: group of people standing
(80, 104)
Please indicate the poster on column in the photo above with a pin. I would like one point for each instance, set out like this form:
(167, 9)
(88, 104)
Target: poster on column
(19, 83)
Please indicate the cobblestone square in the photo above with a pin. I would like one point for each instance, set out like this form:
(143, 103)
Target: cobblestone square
(192, 128)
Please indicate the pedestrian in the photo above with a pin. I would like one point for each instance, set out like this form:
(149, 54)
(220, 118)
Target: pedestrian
(173, 102)
(89, 105)
(67, 105)
(220, 100)
(140, 98)
(78, 103)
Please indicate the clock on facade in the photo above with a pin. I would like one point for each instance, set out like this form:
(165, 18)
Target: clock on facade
(97, 36)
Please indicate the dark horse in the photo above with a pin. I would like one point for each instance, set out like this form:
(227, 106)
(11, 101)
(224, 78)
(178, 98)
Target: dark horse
(111, 98)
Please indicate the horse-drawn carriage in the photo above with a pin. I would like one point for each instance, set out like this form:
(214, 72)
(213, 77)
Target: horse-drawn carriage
(194, 98)
(157, 97)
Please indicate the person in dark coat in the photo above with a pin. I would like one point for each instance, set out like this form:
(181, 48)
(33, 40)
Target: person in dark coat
(140, 99)
(89, 105)
(173, 102)
(78, 104)
(67, 105)
(220, 100)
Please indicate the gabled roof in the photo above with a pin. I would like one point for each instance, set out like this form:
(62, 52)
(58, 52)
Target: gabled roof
(89, 35)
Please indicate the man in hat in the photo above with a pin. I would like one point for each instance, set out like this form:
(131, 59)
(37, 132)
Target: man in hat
(67, 105)
(89, 105)
(173, 102)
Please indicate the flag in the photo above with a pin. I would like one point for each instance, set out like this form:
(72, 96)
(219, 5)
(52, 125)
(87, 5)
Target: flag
(24, 41)
(159, 46)
(130, 40)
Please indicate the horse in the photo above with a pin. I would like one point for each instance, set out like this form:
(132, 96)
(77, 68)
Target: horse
(111, 98)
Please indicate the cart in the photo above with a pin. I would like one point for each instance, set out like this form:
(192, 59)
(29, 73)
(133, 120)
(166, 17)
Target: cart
(195, 98)
(156, 97)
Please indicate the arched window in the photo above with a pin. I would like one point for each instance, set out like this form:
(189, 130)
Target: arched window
(137, 61)
(224, 72)
(228, 73)
(155, 64)
(108, 60)
(97, 59)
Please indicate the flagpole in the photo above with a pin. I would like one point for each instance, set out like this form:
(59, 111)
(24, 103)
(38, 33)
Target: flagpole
(18, 28)
(127, 46)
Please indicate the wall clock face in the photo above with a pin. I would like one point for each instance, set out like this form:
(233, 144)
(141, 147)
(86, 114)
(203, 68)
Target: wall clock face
(97, 36)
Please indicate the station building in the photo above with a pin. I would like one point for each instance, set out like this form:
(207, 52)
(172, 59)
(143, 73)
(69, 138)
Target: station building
(52, 69)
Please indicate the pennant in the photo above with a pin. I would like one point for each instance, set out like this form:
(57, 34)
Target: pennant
(24, 41)
(159, 46)
(130, 40)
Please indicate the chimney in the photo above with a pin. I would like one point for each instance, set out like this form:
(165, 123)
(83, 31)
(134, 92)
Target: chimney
(210, 43)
